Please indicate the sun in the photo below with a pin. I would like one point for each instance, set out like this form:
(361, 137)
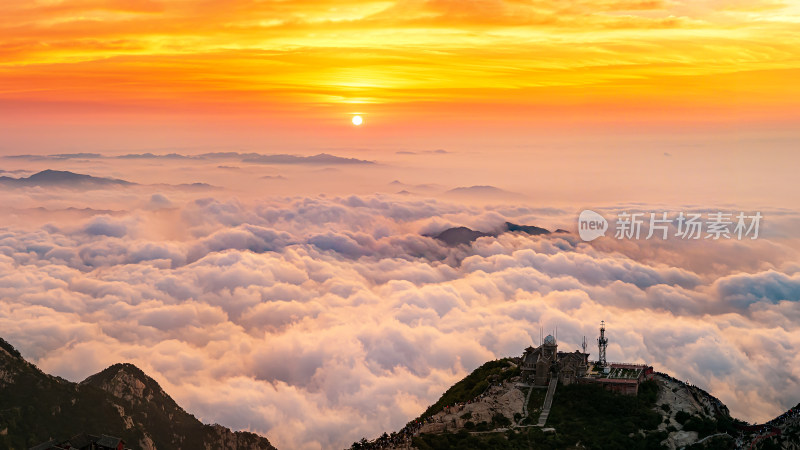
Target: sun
(357, 120)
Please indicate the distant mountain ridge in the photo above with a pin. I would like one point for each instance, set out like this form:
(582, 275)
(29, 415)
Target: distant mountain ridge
(321, 158)
(463, 235)
(120, 401)
(62, 178)
(258, 158)
(71, 180)
(482, 192)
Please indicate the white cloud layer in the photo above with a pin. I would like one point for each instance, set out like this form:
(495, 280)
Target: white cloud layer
(317, 321)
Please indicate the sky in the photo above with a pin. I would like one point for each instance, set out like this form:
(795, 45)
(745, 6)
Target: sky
(110, 74)
(302, 297)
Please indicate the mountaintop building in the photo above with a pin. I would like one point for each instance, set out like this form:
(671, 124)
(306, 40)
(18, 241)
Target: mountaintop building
(540, 364)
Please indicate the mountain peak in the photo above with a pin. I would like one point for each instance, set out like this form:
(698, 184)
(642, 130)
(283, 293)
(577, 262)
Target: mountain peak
(51, 172)
(116, 370)
(126, 381)
(459, 235)
(482, 192)
(463, 235)
(9, 349)
(113, 370)
(121, 400)
(63, 178)
(63, 175)
(528, 229)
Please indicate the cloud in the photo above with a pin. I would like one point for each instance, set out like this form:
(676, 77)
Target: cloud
(322, 158)
(153, 156)
(745, 289)
(158, 201)
(482, 192)
(319, 320)
(105, 226)
(256, 158)
(438, 151)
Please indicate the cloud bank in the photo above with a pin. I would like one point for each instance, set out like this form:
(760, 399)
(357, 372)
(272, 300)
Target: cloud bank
(319, 320)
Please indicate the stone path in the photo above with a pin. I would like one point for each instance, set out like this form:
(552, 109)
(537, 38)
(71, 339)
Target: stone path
(524, 406)
(548, 402)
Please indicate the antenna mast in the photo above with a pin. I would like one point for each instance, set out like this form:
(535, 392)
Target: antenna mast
(602, 343)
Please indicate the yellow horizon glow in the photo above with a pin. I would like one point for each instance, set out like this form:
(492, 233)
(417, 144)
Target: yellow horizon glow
(403, 57)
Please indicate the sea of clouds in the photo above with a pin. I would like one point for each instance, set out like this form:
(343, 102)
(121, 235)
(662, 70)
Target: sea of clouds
(317, 320)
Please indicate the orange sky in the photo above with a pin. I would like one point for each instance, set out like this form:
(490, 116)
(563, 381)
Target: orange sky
(658, 105)
(501, 65)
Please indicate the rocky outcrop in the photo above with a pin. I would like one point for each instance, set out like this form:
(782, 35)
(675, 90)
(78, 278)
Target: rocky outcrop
(221, 438)
(505, 399)
(120, 400)
(679, 396)
(675, 402)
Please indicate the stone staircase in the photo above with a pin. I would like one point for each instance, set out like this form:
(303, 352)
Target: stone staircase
(548, 402)
(525, 406)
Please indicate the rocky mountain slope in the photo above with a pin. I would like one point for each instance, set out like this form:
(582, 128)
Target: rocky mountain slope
(487, 409)
(121, 401)
(490, 409)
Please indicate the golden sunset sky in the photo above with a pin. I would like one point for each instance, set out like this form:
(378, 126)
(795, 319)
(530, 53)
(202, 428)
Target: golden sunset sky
(305, 300)
(502, 65)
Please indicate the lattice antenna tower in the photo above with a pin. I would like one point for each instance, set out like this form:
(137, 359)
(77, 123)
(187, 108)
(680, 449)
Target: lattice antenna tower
(602, 343)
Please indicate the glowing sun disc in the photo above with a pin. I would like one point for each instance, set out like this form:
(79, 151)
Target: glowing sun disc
(357, 120)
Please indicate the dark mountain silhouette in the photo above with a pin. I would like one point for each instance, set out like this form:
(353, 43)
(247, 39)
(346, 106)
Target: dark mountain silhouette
(188, 186)
(482, 192)
(459, 235)
(463, 235)
(476, 189)
(153, 156)
(59, 156)
(322, 158)
(527, 229)
(416, 187)
(71, 180)
(61, 178)
(119, 401)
